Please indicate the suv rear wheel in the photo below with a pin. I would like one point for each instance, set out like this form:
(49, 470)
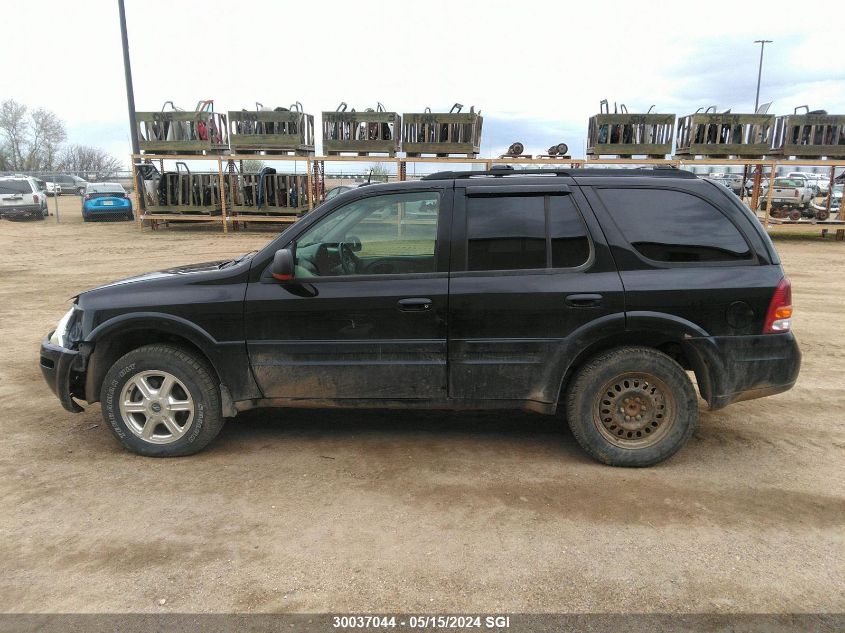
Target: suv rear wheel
(631, 406)
(162, 401)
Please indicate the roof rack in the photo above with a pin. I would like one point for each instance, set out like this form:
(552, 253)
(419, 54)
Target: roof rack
(502, 171)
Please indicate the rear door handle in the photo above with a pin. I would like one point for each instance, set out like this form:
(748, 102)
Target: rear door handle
(415, 304)
(583, 301)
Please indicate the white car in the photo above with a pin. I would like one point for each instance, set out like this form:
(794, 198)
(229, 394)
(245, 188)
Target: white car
(22, 197)
(813, 180)
(801, 190)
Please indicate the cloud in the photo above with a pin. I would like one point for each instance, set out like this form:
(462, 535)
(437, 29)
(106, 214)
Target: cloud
(536, 70)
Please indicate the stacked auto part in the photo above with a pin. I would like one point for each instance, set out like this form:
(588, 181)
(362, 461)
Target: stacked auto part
(176, 131)
(442, 133)
(813, 134)
(272, 131)
(712, 134)
(626, 135)
(266, 193)
(367, 133)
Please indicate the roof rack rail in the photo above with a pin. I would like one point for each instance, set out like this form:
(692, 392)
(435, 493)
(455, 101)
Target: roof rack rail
(507, 171)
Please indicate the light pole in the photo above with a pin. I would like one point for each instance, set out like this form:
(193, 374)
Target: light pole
(762, 44)
(130, 100)
(127, 72)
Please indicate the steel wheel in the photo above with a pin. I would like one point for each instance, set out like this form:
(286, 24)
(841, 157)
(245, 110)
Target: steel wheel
(157, 407)
(634, 410)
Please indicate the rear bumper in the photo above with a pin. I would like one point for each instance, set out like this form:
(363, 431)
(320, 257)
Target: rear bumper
(61, 368)
(735, 368)
(22, 211)
(122, 209)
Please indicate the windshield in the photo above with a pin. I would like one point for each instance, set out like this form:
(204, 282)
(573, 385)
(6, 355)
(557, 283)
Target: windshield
(786, 182)
(15, 186)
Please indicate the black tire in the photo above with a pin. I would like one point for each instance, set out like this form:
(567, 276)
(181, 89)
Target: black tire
(196, 384)
(653, 384)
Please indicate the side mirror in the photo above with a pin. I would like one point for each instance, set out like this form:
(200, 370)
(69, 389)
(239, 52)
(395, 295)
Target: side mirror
(283, 265)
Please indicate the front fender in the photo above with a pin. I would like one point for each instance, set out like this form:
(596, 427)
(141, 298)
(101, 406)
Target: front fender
(169, 323)
(228, 358)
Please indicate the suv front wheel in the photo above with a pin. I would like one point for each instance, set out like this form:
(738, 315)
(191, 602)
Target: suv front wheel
(631, 406)
(162, 401)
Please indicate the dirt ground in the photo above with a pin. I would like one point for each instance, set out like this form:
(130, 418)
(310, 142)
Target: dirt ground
(396, 511)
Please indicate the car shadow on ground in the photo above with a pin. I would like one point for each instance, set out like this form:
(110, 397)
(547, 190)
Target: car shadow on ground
(350, 422)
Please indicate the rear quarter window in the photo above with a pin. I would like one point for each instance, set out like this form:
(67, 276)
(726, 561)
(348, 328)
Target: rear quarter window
(674, 226)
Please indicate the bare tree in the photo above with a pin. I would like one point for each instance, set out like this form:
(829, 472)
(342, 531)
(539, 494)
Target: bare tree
(29, 139)
(93, 162)
(14, 128)
(48, 133)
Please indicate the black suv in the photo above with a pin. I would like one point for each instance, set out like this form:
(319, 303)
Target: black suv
(591, 291)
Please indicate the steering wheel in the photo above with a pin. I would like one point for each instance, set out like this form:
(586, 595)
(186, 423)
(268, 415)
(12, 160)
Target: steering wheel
(348, 259)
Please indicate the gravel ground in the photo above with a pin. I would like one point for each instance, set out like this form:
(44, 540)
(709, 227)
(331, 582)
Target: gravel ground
(308, 510)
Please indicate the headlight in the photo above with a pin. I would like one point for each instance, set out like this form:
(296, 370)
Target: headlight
(59, 336)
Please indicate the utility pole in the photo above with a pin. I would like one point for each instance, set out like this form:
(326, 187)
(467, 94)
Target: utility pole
(762, 44)
(130, 99)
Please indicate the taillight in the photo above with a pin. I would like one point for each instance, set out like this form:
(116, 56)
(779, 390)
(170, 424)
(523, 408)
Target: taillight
(795, 193)
(779, 314)
(35, 197)
(88, 196)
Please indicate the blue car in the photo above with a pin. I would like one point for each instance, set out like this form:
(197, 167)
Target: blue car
(106, 201)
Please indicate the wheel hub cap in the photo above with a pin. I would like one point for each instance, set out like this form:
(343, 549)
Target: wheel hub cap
(157, 407)
(634, 410)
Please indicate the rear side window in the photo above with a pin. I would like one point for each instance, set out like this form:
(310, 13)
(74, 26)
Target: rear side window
(524, 232)
(673, 226)
(15, 186)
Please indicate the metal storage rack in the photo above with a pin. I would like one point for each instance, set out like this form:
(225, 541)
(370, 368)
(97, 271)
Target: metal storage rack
(442, 133)
(810, 135)
(624, 134)
(362, 133)
(201, 131)
(712, 134)
(280, 131)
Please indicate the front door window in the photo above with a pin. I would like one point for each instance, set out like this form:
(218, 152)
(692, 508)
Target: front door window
(379, 235)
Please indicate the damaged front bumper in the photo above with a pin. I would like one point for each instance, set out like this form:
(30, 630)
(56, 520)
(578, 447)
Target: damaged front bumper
(63, 370)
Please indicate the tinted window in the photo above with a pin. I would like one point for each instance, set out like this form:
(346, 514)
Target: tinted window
(511, 233)
(15, 186)
(570, 246)
(672, 226)
(506, 233)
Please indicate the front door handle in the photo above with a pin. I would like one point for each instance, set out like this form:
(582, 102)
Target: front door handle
(584, 301)
(415, 304)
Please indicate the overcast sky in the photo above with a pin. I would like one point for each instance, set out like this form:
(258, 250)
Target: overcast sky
(537, 70)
